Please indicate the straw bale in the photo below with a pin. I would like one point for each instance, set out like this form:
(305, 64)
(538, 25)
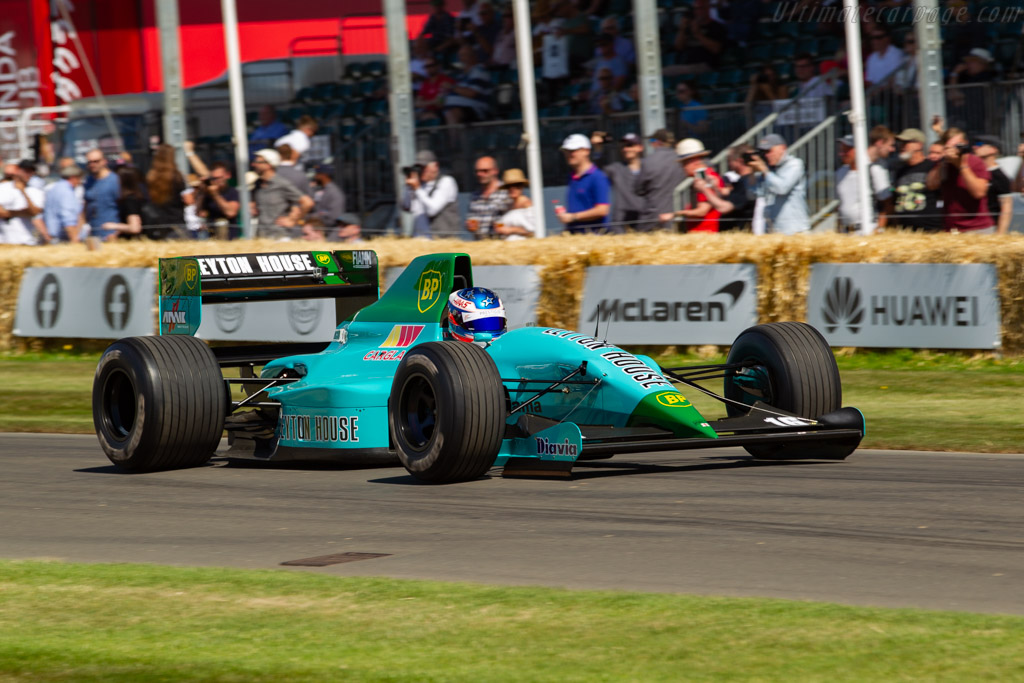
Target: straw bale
(783, 262)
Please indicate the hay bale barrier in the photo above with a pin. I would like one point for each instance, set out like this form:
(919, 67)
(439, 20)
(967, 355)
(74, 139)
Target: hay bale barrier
(784, 264)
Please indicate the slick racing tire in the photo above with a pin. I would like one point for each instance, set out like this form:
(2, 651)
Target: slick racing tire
(158, 403)
(793, 370)
(447, 412)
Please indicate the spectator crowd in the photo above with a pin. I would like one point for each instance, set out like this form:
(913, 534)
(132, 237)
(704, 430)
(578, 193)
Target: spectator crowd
(113, 200)
(463, 66)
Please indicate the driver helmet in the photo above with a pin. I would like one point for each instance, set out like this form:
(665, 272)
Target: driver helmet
(472, 310)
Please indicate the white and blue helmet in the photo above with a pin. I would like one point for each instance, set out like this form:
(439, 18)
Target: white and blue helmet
(475, 309)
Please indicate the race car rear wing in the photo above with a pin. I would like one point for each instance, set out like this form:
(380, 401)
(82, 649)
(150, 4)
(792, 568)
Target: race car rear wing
(349, 277)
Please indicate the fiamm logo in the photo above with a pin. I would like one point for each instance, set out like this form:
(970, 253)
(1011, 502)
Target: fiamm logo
(429, 288)
(672, 399)
(842, 306)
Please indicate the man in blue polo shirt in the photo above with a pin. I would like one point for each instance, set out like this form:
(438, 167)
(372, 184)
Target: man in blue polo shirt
(587, 199)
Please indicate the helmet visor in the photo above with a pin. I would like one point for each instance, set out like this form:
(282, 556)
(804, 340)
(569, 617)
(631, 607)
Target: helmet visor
(489, 324)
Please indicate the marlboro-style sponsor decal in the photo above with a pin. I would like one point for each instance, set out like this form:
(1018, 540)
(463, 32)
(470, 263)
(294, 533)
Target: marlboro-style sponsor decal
(402, 336)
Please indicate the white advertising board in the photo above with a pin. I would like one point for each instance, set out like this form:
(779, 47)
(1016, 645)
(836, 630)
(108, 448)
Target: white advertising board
(905, 305)
(90, 303)
(684, 304)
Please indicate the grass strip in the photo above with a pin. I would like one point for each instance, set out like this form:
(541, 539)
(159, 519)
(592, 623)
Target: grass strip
(72, 622)
(904, 396)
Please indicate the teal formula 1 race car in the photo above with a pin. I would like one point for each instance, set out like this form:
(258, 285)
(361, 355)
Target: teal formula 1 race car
(391, 388)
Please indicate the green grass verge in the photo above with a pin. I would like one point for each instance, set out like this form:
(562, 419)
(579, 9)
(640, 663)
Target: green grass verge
(910, 400)
(67, 622)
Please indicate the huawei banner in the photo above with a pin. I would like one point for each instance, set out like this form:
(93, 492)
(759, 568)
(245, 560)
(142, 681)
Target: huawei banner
(905, 305)
(92, 303)
(698, 304)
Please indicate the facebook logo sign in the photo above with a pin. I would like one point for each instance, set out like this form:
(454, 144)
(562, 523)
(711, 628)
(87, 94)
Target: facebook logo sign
(117, 303)
(87, 303)
(48, 302)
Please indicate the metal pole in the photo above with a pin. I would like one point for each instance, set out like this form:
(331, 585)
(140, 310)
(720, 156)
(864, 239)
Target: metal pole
(237, 99)
(403, 126)
(930, 91)
(174, 96)
(858, 116)
(648, 63)
(91, 75)
(528, 99)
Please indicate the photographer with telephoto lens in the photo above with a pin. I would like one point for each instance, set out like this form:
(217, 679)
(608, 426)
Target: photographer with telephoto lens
(431, 198)
(962, 179)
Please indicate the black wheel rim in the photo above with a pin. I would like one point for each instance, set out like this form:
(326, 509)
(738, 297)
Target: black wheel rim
(754, 383)
(418, 412)
(120, 404)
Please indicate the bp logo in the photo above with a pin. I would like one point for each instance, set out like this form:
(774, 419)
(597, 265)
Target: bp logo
(842, 306)
(48, 301)
(304, 315)
(191, 274)
(429, 288)
(117, 302)
(672, 399)
(323, 259)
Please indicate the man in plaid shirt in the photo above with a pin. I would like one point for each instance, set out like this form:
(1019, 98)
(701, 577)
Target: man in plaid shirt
(488, 203)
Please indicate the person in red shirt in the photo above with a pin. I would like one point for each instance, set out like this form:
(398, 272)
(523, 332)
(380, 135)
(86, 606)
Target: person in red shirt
(700, 213)
(962, 179)
(433, 90)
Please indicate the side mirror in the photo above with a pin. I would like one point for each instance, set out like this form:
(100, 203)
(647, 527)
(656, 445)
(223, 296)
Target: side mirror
(482, 337)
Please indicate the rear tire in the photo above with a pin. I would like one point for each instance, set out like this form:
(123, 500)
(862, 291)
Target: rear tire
(447, 412)
(158, 403)
(794, 371)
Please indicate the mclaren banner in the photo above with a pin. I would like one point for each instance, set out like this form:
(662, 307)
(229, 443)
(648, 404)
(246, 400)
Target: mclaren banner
(905, 305)
(92, 303)
(698, 304)
(518, 287)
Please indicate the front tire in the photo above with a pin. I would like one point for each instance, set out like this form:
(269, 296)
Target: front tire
(158, 403)
(447, 411)
(793, 369)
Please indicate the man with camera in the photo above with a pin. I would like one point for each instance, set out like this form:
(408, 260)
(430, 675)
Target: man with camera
(962, 180)
(431, 198)
(782, 185)
(218, 202)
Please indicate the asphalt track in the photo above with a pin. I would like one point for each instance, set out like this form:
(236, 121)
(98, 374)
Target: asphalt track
(885, 528)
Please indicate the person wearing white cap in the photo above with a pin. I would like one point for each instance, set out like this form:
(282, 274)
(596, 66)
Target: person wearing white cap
(588, 197)
(782, 185)
(277, 204)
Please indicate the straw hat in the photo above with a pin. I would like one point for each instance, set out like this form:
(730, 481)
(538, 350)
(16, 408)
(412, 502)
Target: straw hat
(513, 176)
(690, 148)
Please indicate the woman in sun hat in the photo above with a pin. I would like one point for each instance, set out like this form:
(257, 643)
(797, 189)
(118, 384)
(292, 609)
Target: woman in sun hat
(518, 222)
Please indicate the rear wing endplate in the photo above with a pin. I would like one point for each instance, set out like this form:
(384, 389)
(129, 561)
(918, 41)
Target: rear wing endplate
(351, 278)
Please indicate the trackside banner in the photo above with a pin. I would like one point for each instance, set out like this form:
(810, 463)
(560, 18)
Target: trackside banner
(92, 303)
(905, 305)
(518, 287)
(685, 304)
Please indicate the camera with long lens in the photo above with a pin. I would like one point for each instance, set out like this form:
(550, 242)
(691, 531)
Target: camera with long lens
(414, 170)
(749, 157)
(963, 149)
